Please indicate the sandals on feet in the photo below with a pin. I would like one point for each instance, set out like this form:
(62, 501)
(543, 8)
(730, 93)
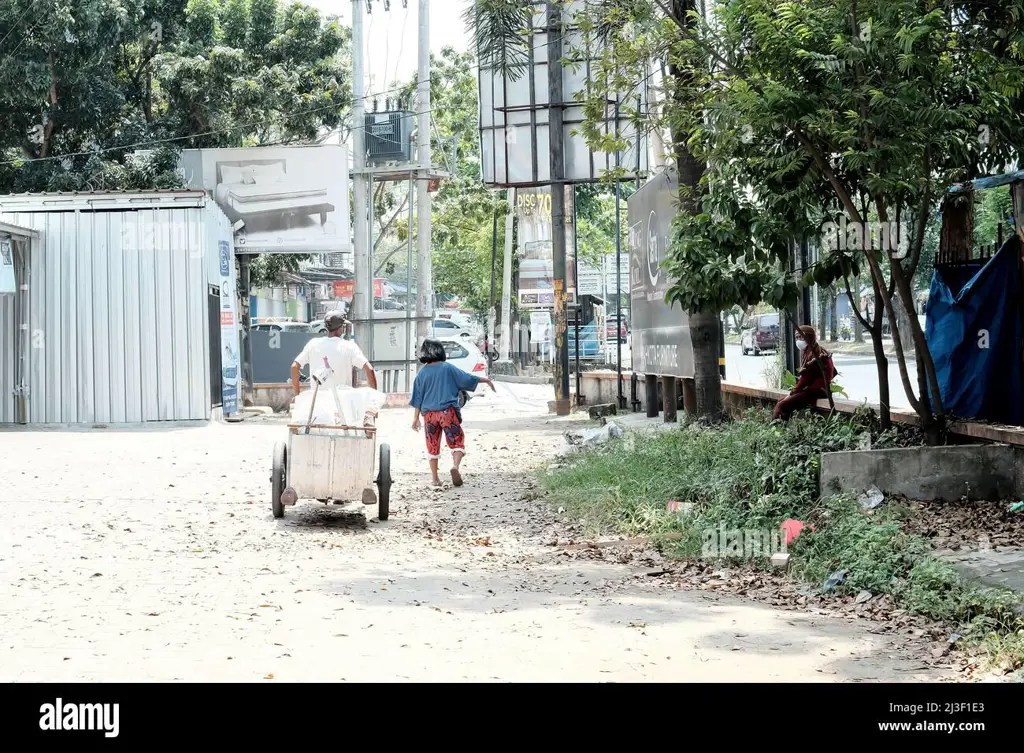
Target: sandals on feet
(456, 477)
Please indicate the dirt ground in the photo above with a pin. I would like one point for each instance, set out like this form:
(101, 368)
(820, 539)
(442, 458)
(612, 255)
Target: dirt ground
(152, 555)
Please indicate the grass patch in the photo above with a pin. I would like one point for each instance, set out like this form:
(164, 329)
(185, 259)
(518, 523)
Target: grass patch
(751, 475)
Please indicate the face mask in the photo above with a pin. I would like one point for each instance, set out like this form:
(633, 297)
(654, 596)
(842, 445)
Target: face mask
(801, 344)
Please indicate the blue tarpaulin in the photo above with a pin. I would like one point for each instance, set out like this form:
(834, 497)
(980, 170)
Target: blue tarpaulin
(973, 333)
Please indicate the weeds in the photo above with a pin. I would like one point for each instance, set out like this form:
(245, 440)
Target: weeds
(752, 475)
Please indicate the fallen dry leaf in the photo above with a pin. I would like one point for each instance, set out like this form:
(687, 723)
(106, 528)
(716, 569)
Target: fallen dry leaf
(269, 677)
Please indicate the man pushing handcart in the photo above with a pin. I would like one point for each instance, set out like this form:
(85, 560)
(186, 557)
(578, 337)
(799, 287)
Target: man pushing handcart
(331, 454)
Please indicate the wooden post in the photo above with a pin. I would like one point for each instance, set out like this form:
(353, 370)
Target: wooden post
(668, 396)
(690, 397)
(651, 383)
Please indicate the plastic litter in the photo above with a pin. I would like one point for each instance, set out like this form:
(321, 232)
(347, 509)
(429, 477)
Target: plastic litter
(862, 597)
(679, 508)
(835, 579)
(871, 499)
(575, 440)
(1017, 507)
(792, 528)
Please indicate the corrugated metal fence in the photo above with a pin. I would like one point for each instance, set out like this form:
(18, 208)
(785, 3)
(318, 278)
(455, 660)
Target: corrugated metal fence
(119, 315)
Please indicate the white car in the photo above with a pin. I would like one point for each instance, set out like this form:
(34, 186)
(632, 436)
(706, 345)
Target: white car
(467, 357)
(447, 329)
(283, 327)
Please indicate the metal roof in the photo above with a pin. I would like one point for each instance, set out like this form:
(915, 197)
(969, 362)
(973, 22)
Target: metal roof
(7, 228)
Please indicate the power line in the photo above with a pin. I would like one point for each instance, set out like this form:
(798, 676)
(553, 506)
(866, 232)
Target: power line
(18, 22)
(157, 142)
(171, 139)
(24, 36)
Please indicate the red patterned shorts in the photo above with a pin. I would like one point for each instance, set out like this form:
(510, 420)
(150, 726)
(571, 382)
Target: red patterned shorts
(447, 423)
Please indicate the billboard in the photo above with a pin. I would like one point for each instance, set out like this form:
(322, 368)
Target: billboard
(536, 261)
(514, 106)
(661, 334)
(346, 289)
(289, 199)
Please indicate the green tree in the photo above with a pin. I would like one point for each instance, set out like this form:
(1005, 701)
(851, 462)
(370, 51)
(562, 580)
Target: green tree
(463, 209)
(872, 109)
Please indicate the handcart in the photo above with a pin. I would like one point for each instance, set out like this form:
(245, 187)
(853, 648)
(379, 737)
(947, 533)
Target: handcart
(332, 463)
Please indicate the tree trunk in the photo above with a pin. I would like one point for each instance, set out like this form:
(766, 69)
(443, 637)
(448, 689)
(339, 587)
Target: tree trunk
(704, 327)
(833, 312)
(858, 325)
(881, 365)
(822, 312)
(903, 319)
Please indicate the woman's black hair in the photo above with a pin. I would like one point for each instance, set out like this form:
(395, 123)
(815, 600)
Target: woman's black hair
(432, 351)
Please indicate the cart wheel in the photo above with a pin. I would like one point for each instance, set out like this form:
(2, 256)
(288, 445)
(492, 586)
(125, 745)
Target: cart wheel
(277, 479)
(384, 483)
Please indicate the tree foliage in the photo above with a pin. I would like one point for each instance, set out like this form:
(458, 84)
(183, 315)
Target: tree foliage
(805, 111)
(87, 87)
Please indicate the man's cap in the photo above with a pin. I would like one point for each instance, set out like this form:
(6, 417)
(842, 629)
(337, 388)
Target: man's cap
(335, 320)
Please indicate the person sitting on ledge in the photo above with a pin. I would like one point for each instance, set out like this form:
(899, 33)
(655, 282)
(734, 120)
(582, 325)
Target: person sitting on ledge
(816, 374)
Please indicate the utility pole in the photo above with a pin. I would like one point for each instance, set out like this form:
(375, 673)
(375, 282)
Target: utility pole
(424, 267)
(363, 297)
(555, 141)
(491, 313)
(505, 341)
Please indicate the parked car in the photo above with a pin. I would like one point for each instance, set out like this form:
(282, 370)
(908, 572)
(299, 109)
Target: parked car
(623, 328)
(283, 327)
(465, 356)
(761, 333)
(445, 328)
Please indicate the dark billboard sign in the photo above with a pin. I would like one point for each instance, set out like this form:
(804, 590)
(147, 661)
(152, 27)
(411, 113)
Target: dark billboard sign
(661, 333)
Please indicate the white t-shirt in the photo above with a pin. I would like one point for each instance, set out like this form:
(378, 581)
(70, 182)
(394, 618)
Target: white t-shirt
(338, 354)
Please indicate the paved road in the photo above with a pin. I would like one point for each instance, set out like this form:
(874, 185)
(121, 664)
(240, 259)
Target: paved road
(151, 555)
(857, 374)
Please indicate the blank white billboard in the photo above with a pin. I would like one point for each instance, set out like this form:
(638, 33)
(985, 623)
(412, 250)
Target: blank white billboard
(514, 143)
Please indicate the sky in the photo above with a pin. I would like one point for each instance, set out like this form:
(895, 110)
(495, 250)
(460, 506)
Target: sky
(391, 37)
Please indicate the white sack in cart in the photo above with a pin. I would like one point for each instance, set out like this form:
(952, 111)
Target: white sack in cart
(354, 403)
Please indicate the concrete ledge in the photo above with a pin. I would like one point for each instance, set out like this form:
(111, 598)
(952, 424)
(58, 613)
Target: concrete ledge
(978, 472)
(515, 379)
(601, 387)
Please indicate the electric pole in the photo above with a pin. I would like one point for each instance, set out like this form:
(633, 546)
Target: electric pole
(555, 141)
(363, 297)
(424, 267)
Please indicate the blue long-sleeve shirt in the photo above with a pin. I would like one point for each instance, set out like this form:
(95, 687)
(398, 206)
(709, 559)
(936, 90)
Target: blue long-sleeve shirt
(437, 387)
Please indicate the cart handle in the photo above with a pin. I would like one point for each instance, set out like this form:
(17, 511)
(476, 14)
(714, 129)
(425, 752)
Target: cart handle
(339, 427)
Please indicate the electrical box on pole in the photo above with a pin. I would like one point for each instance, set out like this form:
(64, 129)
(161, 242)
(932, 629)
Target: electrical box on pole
(388, 137)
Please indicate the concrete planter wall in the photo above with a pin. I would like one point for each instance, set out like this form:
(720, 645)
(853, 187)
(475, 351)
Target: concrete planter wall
(974, 472)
